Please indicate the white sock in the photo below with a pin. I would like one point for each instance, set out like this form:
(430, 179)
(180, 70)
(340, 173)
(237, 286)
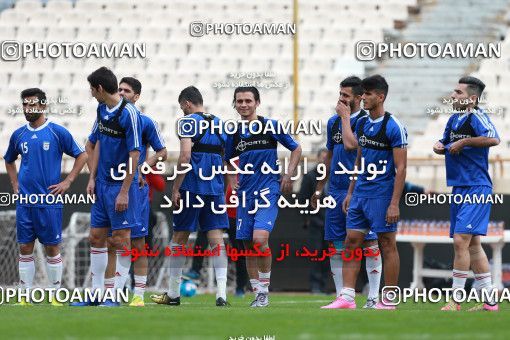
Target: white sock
(336, 264)
(220, 264)
(98, 262)
(264, 281)
(54, 271)
(374, 271)
(255, 285)
(348, 293)
(122, 265)
(459, 281)
(176, 264)
(26, 269)
(483, 282)
(140, 281)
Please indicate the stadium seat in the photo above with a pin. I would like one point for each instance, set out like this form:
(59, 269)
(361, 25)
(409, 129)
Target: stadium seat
(61, 33)
(21, 80)
(31, 33)
(74, 18)
(61, 6)
(90, 6)
(91, 34)
(27, 5)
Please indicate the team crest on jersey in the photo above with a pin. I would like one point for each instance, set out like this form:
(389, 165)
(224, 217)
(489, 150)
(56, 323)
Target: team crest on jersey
(337, 137)
(46, 146)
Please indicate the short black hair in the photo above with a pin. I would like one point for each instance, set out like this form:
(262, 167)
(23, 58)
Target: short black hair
(133, 83)
(251, 89)
(104, 76)
(191, 94)
(375, 83)
(474, 86)
(354, 83)
(34, 91)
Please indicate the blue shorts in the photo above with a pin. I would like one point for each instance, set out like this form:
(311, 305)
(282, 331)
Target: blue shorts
(470, 218)
(335, 220)
(45, 224)
(142, 229)
(103, 214)
(191, 219)
(262, 219)
(369, 214)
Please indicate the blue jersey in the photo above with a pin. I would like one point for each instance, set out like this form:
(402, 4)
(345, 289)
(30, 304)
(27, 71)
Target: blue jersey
(257, 150)
(203, 158)
(41, 152)
(150, 136)
(335, 144)
(471, 166)
(377, 138)
(119, 132)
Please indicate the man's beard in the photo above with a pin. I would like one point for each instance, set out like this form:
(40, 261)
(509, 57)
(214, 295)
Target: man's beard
(33, 116)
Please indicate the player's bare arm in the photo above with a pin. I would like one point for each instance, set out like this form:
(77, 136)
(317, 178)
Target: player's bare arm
(400, 158)
(477, 142)
(347, 200)
(439, 148)
(295, 157)
(62, 187)
(154, 158)
(122, 200)
(348, 139)
(184, 158)
(92, 164)
(322, 183)
(13, 175)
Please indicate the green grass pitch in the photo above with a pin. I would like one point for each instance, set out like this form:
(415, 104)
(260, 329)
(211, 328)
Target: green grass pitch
(290, 316)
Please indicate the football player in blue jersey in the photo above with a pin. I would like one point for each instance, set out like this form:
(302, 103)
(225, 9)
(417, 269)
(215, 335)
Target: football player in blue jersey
(372, 201)
(467, 138)
(342, 147)
(117, 270)
(257, 150)
(113, 172)
(203, 149)
(41, 144)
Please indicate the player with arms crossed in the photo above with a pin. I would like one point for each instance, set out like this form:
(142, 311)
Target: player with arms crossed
(372, 203)
(203, 150)
(466, 141)
(113, 173)
(342, 147)
(117, 270)
(41, 144)
(257, 149)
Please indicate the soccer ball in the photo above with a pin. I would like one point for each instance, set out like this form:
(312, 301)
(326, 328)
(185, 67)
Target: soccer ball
(188, 288)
